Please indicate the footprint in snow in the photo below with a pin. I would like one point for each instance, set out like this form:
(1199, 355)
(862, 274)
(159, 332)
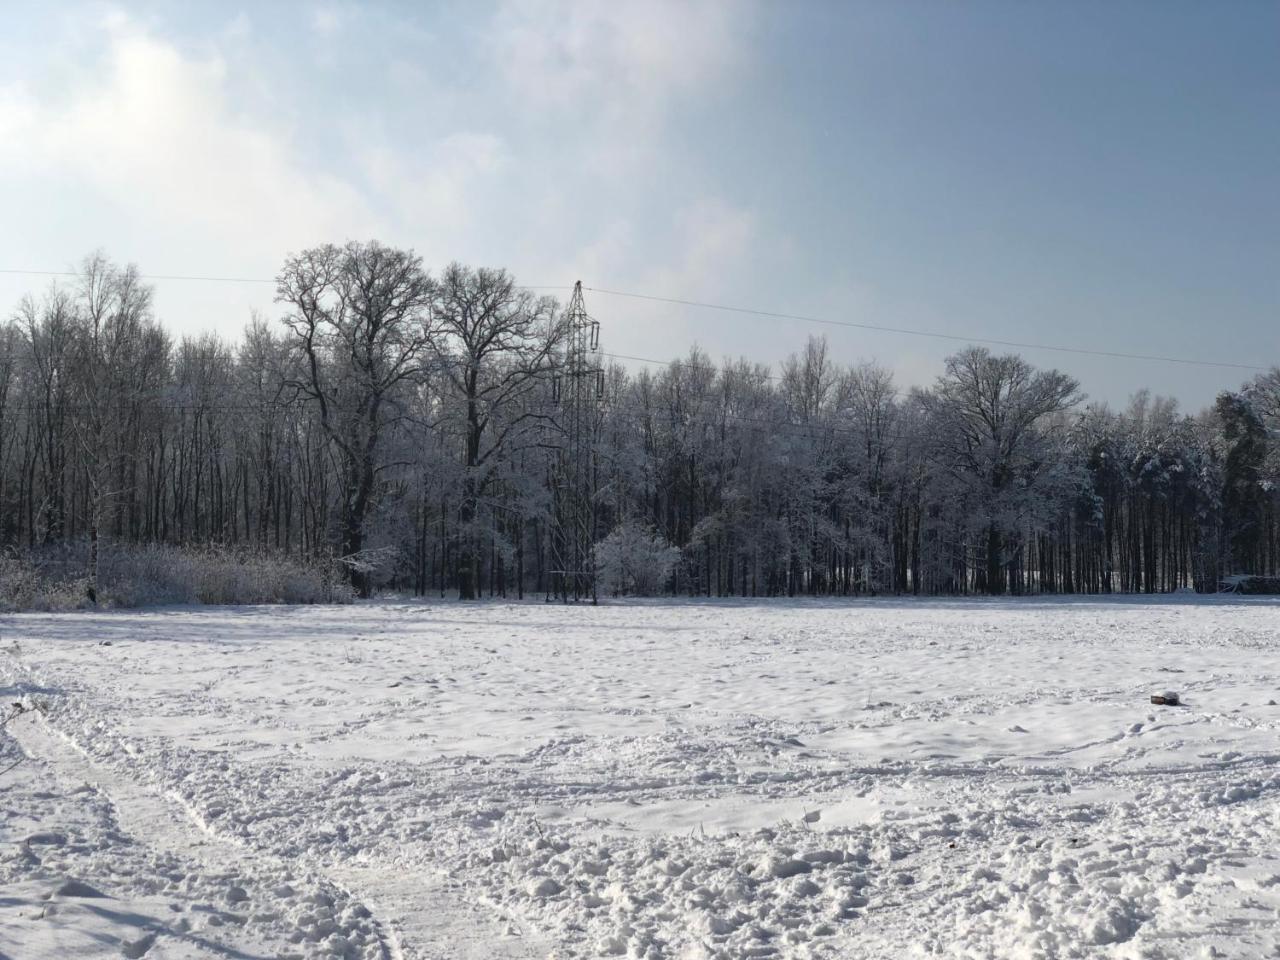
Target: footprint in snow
(135, 949)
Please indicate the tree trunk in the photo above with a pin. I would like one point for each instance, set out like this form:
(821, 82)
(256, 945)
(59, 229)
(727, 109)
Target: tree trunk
(995, 571)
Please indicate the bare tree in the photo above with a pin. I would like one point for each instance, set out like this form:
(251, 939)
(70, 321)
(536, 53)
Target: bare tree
(50, 328)
(116, 347)
(985, 411)
(9, 417)
(867, 407)
(360, 314)
(415, 424)
(497, 347)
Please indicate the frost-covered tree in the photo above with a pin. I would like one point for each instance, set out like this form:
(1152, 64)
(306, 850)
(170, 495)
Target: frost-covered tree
(497, 347)
(409, 426)
(1244, 481)
(360, 316)
(120, 355)
(987, 417)
(635, 561)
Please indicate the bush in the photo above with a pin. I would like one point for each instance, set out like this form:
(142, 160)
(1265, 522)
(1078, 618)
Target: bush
(634, 560)
(25, 586)
(155, 574)
(18, 584)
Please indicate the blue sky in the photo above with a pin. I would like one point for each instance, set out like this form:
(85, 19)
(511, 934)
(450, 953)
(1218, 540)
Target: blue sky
(1085, 174)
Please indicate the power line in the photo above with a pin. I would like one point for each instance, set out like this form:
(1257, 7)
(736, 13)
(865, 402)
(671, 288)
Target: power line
(1026, 345)
(751, 311)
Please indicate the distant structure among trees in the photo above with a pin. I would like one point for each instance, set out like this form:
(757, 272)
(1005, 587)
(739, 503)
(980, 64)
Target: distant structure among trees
(404, 425)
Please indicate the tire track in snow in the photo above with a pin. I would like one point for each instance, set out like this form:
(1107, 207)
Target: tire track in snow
(165, 820)
(414, 921)
(143, 813)
(425, 919)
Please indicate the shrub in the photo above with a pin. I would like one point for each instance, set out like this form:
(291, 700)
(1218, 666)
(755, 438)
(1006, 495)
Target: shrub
(155, 574)
(24, 585)
(634, 560)
(18, 584)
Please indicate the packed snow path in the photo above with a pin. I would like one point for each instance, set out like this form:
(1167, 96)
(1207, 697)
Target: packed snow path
(719, 779)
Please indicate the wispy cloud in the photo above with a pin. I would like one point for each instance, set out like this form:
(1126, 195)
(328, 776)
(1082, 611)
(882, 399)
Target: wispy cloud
(327, 20)
(629, 58)
(155, 131)
(188, 153)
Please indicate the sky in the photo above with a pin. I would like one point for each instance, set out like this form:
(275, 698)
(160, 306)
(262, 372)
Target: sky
(1103, 176)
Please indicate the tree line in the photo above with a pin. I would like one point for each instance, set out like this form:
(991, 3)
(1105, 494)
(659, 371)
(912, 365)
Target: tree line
(408, 425)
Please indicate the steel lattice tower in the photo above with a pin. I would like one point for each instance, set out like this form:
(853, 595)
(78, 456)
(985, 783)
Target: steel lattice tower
(577, 390)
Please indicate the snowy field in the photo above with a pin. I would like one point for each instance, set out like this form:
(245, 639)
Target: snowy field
(776, 779)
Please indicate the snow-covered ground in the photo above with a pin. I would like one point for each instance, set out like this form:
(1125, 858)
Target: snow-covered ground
(720, 779)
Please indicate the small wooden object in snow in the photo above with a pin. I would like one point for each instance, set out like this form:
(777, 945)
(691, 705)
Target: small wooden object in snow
(1167, 699)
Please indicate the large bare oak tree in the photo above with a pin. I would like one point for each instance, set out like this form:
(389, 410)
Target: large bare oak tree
(360, 314)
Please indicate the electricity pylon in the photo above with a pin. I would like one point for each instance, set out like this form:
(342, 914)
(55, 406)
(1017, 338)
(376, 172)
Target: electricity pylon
(577, 389)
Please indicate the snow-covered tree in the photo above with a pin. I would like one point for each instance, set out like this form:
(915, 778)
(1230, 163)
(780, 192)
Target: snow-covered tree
(634, 561)
(987, 418)
(408, 426)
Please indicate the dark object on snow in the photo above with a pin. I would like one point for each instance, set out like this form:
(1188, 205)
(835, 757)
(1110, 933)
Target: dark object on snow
(1249, 584)
(136, 949)
(1167, 699)
(77, 888)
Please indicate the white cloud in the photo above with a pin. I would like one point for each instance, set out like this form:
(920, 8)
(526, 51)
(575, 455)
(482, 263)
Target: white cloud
(161, 156)
(638, 52)
(714, 243)
(707, 249)
(611, 76)
(138, 148)
(239, 27)
(155, 134)
(607, 255)
(327, 20)
(434, 192)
